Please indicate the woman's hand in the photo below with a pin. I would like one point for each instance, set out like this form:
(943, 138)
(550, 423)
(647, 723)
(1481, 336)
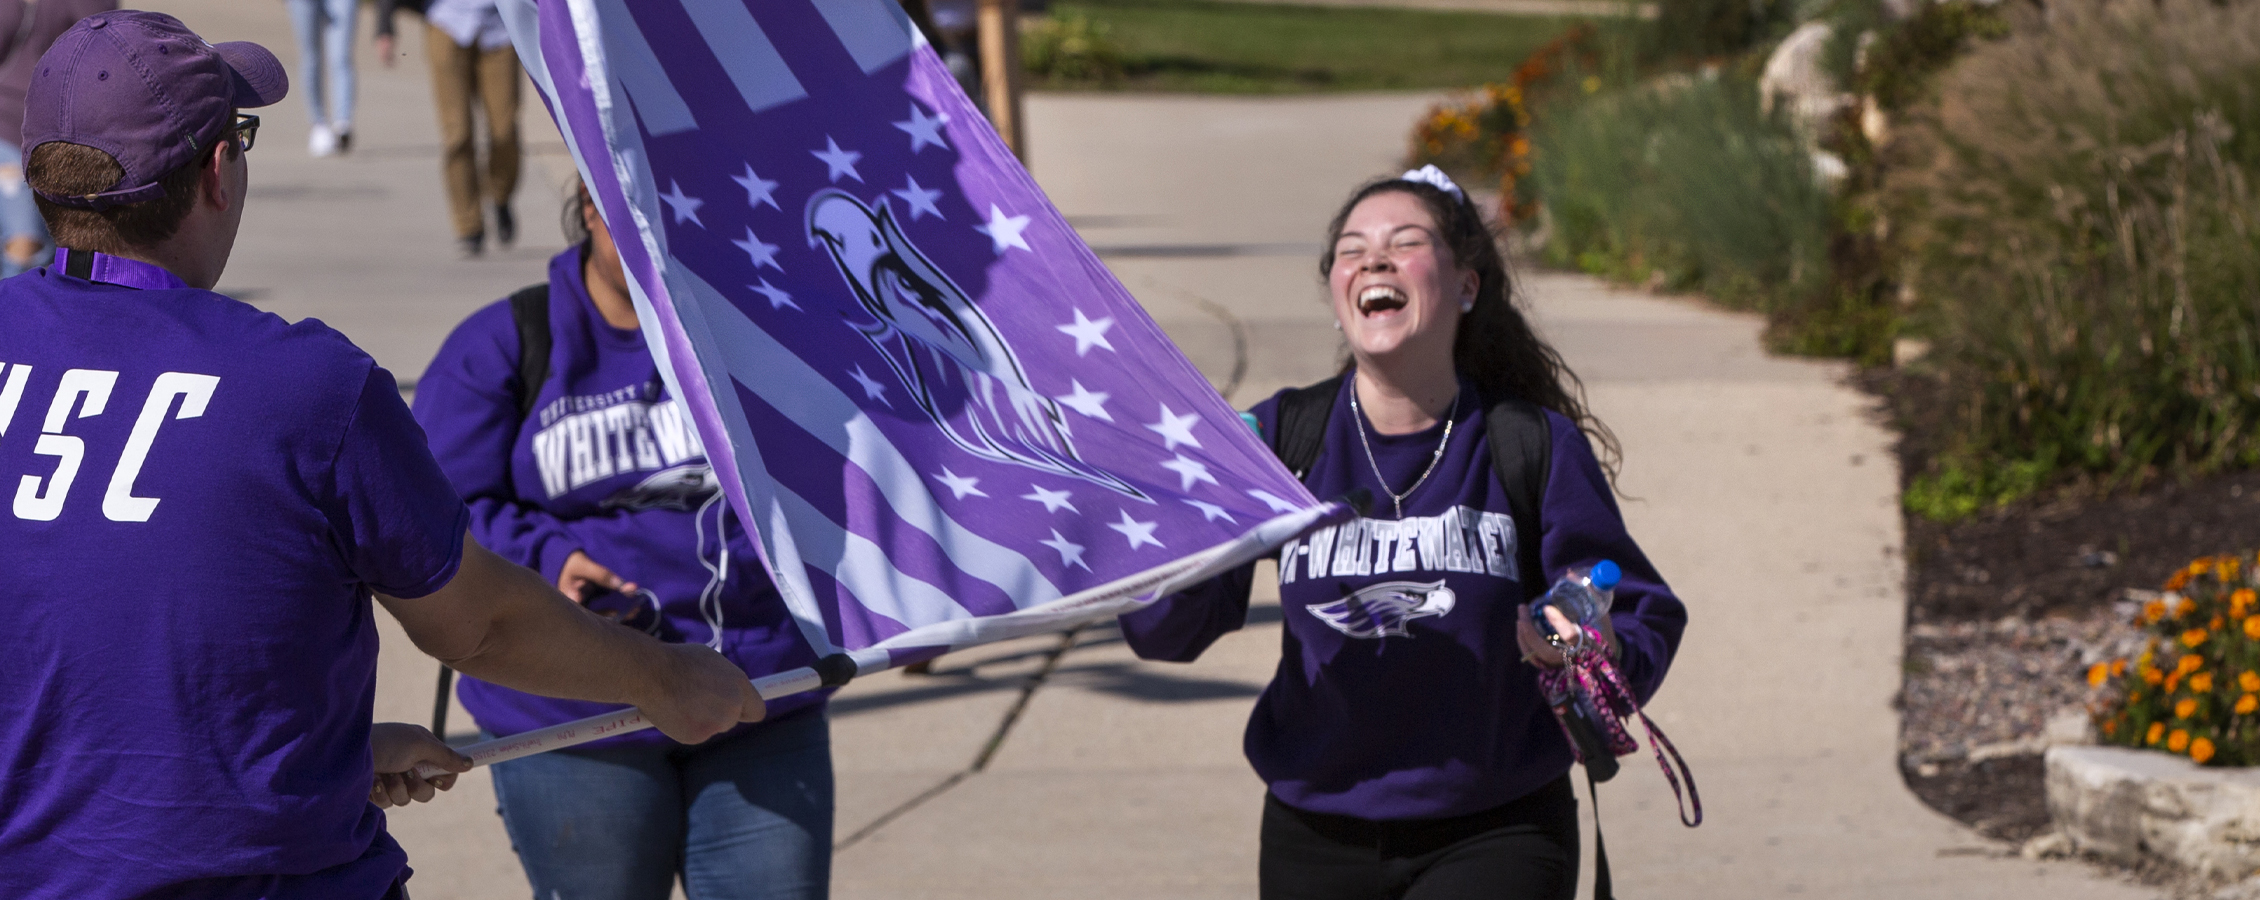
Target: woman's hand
(1539, 651)
(580, 573)
(397, 748)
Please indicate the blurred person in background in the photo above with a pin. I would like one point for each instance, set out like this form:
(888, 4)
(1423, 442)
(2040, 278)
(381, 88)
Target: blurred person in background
(472, 63)
(325, 70)
(29, 27)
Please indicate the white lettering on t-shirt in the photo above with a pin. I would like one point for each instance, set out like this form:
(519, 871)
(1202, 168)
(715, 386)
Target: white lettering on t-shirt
(45, 505)
(195, 392)
(629, 435)
(1462, 539)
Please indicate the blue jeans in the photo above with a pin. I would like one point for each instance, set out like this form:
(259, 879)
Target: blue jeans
(19, 215)
(748, 816)
(325, 54)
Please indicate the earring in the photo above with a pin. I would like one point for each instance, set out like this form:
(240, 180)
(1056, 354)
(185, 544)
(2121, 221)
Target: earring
(1337, 324)
(1467, 306)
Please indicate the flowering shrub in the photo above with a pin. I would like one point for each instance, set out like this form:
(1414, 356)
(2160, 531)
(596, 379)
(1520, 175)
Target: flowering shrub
(2195, 687)
(1486, 135)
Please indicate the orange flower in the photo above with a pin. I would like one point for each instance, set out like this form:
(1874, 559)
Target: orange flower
(2240, 600)
(2173, 681)
(2178, 741)
(2201, 565)
(2229, 566)
(2252, 627)
(2200, 750)
(2118, 668)
(2177, 582)
(2215, 624)
(2249, 681)
(2246, 704)
(2186, 708)
(2153, 611)
(2190, 662)
(2152, 676)
(2201, 683)
(2185, 607)
(2110, 727)
(2097, 674)
(2156, 730)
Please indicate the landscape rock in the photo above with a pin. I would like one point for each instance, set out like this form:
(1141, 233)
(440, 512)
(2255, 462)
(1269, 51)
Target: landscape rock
(2126, 805)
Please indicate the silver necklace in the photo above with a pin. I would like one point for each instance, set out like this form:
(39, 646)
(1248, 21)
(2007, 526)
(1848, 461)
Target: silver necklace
(1396, 499)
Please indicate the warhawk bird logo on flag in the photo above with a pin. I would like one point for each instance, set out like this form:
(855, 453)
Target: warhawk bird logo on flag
(944, 420)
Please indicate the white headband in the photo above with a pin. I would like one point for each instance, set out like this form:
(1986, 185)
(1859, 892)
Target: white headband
(1434, 177)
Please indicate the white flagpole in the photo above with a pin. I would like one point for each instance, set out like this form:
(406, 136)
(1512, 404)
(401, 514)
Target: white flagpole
(623, 721)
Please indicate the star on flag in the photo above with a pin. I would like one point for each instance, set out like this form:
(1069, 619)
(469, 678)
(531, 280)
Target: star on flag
(921, 200)
(1070, 553)
(1175, 429)
(684, 207)
(1053, 501)
(1188, 471)
(762, 254)
(778, 299)
(959, 485)
(838, 162)
(758, 190)
(1003, 230)
(1139, 533)
(1088, 332)
(1086, 401)
(873, 390)
(924, 129)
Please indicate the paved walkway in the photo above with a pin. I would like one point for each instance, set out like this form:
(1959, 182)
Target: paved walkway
(1762, 487)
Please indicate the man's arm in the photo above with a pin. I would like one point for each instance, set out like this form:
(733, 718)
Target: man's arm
(502, 623)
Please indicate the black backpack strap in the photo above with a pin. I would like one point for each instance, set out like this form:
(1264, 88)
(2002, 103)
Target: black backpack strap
(529, 308)
(1522, 456)
(1302, 424)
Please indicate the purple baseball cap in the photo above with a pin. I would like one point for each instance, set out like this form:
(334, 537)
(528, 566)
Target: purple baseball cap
(143, 88)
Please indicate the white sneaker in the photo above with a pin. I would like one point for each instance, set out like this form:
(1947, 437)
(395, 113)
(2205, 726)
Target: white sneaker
(322, 142)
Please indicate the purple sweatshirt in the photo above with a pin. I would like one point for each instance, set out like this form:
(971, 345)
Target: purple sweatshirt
(1401, 693)
(610, 465)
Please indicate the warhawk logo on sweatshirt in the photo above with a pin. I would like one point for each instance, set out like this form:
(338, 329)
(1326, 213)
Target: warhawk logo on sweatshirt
(1381, 610)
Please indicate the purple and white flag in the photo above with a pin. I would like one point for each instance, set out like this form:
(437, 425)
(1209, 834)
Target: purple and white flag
(945, 420)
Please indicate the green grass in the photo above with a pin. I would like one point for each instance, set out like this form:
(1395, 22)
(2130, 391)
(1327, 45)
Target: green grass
(1250, 48)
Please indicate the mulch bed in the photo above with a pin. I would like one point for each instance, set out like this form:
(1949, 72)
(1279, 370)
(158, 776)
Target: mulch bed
(2008, 608)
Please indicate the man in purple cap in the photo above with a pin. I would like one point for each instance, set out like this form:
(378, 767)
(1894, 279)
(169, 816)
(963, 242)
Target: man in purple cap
(205, 498)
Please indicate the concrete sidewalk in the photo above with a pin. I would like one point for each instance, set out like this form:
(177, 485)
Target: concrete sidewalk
(1762, 488)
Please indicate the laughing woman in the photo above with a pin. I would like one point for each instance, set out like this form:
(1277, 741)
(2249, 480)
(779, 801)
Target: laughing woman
(1408, 750)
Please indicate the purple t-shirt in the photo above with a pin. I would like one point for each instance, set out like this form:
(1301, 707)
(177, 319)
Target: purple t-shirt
(1402, 693)
(200, 499)
(608, 464)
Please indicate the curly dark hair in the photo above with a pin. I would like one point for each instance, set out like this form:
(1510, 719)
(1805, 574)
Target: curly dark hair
(1495, 346)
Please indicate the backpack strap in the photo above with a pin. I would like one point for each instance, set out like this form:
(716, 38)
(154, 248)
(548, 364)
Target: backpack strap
(1302, 424)
(1522, 456)
(529, 308)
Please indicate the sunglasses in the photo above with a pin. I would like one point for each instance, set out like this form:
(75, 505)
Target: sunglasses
(245, 132)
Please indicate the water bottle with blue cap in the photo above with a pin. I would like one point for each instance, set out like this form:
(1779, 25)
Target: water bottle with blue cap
(1582, 595)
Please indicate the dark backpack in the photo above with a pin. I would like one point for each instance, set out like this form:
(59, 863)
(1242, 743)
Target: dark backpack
(1521, 458)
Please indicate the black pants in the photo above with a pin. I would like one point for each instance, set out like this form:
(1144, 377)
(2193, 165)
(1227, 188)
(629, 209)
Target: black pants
(1525, 850)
